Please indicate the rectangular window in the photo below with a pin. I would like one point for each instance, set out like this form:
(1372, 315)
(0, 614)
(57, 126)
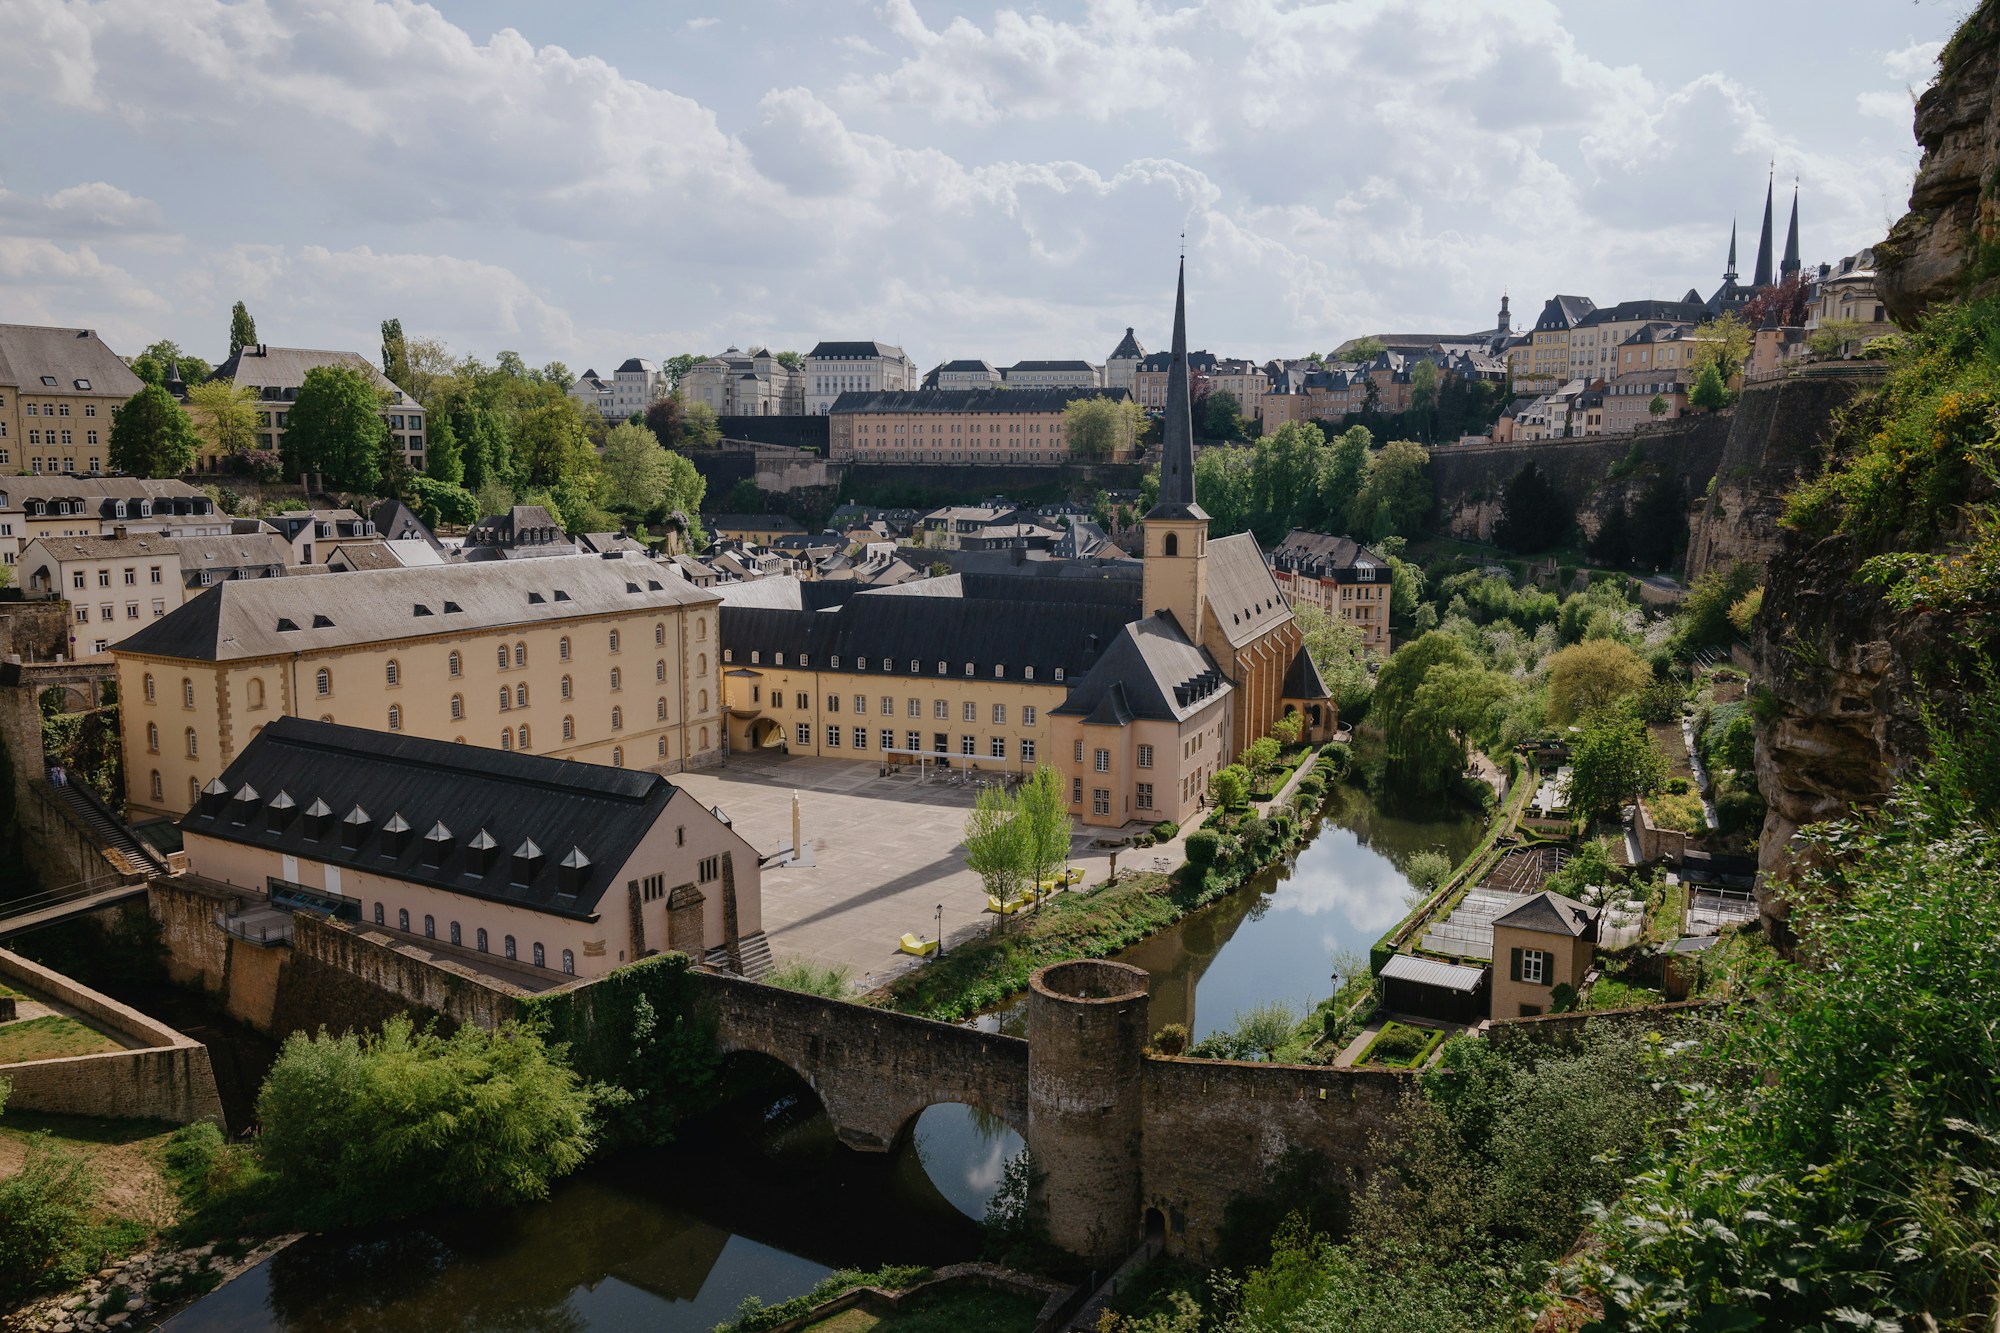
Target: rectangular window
(1027, 715)
(805, 735)
(1079, 754)
(803, 701)
(939, 742)
(998, 749)
(861, 704)
(709, 869)
(940, 709)
(888, 706)
(1100, 801)
(1145, 798)
(1076, 791)
(833, 737)
(968, 711)
(999, 715)
(861, 738)
(916, 708)
(833, 703)
(1535, 967)
(967, 745)
(1027, 752)
(1145, 756)
(1101, 761)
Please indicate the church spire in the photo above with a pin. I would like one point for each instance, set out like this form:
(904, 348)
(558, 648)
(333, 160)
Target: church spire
(1729, 273)
(1761, 278)
(1177, 449)
(1790, 266)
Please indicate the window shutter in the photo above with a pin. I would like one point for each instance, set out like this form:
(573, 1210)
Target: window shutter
(1514, 965)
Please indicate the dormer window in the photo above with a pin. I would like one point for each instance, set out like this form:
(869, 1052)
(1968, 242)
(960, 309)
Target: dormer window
(999, 671)
(835, 659)
(1027, 673)
(778, 658)
(968, 668)
(1059, 673)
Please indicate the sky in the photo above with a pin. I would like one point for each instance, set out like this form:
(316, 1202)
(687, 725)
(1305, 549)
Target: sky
(586, 181)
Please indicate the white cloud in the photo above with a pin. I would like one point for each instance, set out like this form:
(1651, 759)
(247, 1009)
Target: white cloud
(1899, 107)
(696, 25)
(1916, 62)
(94, 208)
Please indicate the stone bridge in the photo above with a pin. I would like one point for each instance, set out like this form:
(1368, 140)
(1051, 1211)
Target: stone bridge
(874, 1070)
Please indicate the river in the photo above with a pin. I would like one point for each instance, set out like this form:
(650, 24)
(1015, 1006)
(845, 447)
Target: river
(763, 1201)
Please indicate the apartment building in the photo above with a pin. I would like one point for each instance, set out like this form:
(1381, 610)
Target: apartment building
(77, 505)
(601, 659)
(1598, 340)
(746, 384)
(58, 387)
(835, 368)
(962, 374)
(1052, 375)
(1541, 362)
(978, 426)
(511, 862)
(1845, 296)
(1149, 378)
(1338, 575)
(118, 583)
(276, 374)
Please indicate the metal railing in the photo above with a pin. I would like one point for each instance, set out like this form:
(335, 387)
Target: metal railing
(261, 932)
(69, 893)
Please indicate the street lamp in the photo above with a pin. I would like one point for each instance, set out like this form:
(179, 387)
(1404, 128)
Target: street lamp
(940, 930)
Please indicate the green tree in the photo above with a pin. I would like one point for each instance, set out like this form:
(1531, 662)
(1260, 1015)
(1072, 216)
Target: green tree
(336, 429)
(1593, 675)
(550, 442)
(1221, 416)
(1361, 350)
(1703, 620)
(228, 418)
(1395, 495)
(441, 502)
(1710, 392)
(745, 497)
(1343, 465)
(791, 360)
(700, 428)
(1223, 479)
(1229, 788)
(404, 1120)
(151, 435)
(152, 364)
(242, 328)
(1423, 753)
(1424, 394)
(1723, 342)
(558, 374)
(635, 471)
(1614, 761)
(1336, 649)
(1534, 513)
(1260, 756)
(1284, 481)
(996, 846)
(676, 368)
(1611, 544)
(443, 461)
(1658, 407)
(1042, 806)
(395, 354)
(1659, 526)
(1100, 427)
(1426, 870)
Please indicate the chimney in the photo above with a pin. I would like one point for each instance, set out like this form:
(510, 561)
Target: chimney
(573, 872)
(481, 851)
(527, 860)
(118, 533)
(319, 819)
(213, 797)
(437, 844)
(278, 814)
(354, 828)
(395, 835)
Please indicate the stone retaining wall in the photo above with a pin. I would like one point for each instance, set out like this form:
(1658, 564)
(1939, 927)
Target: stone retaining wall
(169, 1078)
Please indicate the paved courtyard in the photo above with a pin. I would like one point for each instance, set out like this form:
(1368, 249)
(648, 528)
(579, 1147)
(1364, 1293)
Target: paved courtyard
(887, 853)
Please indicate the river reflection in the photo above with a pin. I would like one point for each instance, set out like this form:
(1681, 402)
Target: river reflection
(1276, 938)
(765, 1205)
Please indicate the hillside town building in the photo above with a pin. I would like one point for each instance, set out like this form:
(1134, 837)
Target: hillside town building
(1052, 375)
(120, 583)
(277, 373)
(57, 390)
(78, 505)
(977, 426)
(835, 368)
(607, 660)
(1341, 577)
(538, 864)
(1123, 363)
(746, 384)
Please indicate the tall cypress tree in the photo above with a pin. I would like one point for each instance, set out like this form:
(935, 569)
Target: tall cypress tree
(242, 328)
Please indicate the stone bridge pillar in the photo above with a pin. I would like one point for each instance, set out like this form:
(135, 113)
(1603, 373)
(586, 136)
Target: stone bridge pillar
(1086, 1059)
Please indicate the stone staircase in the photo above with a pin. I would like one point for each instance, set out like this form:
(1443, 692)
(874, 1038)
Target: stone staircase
(752, 961)
(107, 828)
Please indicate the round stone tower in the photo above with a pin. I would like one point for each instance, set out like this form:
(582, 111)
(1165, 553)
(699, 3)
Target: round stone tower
(1086, 1056)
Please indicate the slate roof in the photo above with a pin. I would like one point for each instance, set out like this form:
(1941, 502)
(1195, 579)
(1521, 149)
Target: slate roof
(752, 522)
(1323, 556)
(1551, 913)
(636, 365)
(1430, 972)
(236, 620)
(1626, 311)
(395, 521)
(890, 629)
(1048, 365)
(440, 793)
(356, 556)
(1150, 671)
(965, 367)
(284, 369)
(30, 351)
(969, 400)
(1128, 348)
(1564, 312)
(1242, 595)
(99, 495)
(853, 351)
(238, 551)
(1302, 678)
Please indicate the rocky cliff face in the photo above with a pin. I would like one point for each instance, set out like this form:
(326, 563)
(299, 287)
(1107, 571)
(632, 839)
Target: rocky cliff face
(1948, 244)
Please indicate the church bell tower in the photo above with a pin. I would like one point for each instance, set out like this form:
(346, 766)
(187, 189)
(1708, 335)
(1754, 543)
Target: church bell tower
(1176, 565)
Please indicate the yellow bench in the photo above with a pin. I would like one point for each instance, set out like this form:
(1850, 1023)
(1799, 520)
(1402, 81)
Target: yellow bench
(913, 944)
(1007, 908)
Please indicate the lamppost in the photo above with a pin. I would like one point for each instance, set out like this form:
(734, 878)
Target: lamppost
(940, 930)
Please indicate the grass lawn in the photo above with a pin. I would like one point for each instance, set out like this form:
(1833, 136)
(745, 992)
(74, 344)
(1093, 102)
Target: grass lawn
(950, 1312)
(1663, 924)
(49, 1038)
(1401, 1046)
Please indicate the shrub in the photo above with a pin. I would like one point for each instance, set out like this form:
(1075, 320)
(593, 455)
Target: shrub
(1427, 869)
(1166, 830)
(405, 1120)
(1683, 813)
(1171, 1039)
(1230, 787)
(1660, 703)
(45, 1223)
(1397, 1043)
(1679, 786)
(1204, 846)
(800, 974)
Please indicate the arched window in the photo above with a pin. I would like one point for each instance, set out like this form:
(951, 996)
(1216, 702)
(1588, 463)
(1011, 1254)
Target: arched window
(700, 628)
(521, 695)
(660, 669)
(617, 719)
(455, 664)
(701, 701)
(479, 939)
(194, 751)
(187, 692)
(562, 648)
(659, 635)
(522, 739)
(507, 944)
(541, 958)
(378, 914)
(403, 919)
(618, 756)
(503, 657)
(457, 707)
(456, 938)
(506, 738)
(256, 691)
(520, 654)
(568, 689)
(506, 698)
(1172, 545)
(614, 641)
(569, 728)
(701, 664)
(430, 927)
(150, 696)
(569, 962)
(663, 747)
(395, 717)
(157, 790)
(194, 791)
(617, 679)
(153, 737)
(392, 672)
(323, 682)
(662, 706)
